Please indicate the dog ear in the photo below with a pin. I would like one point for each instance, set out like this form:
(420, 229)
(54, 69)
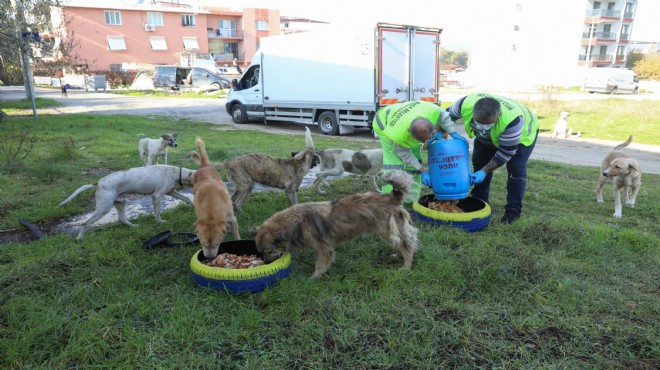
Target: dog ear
(174, 135)
(633, 166)
(293, 154)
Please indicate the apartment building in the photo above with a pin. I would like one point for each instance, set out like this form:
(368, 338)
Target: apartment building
(121, 36)
(528, 43)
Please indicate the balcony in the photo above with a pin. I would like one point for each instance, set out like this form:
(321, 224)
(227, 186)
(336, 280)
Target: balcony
(225, 34)
(628, 15)
(605, 13)
(620, 58)
(600, 35)
(624, 36)
(599, 58)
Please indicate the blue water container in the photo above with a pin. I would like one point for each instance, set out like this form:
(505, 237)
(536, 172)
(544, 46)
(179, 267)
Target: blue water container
(449, 168)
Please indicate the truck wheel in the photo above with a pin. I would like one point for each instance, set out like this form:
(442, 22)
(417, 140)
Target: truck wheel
(238, 113)
(636, 91)
(328, 123)
(216, 86)
(614, 91)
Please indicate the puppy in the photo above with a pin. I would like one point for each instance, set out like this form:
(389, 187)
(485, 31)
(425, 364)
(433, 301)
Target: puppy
(154, 180)
(63, 90)
(281, 173)
(333, 162)
(212, 206)
(321, 225)
(151, 149)
(561, 129)
(625, 172)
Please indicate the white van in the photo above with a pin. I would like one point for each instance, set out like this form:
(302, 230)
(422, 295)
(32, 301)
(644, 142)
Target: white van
(611, 81)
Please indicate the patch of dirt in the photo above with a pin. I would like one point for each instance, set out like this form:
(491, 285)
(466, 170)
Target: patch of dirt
(22, 234)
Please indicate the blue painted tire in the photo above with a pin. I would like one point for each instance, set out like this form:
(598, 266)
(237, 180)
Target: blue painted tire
(476, 216)
(251, 280)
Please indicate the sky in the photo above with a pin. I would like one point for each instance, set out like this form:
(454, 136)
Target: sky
(452, 16)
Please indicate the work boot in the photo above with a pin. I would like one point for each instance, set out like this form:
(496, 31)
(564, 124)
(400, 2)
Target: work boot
(509, 217)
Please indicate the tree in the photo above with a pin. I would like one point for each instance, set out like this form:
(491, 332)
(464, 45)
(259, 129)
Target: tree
(453, 57)
(633, 58)
(649, 67)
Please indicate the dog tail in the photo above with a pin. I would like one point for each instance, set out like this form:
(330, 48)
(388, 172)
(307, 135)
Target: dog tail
(203, 157)
(308, 139)
(401, 182)
(621, 146)
(75, 193)
(195, 158)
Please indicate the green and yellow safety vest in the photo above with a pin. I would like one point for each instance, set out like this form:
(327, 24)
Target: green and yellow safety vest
(393, 122)
(511, 110)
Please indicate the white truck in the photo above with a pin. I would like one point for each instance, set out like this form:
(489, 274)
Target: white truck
(611, 81)
(339, 78)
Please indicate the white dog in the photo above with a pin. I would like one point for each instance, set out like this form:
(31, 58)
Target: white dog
(155, 180)
(625, 173)
(562, 130)
(151, 149)
(333, 162)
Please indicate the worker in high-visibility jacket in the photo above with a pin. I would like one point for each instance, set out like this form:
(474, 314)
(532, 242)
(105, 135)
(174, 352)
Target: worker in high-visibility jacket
(402, 130)
(505, 132)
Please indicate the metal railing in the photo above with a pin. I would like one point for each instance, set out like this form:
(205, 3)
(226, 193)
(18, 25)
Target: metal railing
(226, 33)
(600, 35)
(603, 13)
(628, 14)
(597, 58)
(624, 36)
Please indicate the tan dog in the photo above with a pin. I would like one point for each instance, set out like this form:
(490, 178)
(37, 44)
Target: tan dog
(212, 206)
(321, 225)
(626, 174)
(282, 173)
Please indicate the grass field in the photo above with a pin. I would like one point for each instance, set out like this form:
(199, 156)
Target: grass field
(171, 93)
(567, 286)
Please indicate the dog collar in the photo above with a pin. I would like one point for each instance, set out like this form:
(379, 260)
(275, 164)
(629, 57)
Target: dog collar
(180, 182)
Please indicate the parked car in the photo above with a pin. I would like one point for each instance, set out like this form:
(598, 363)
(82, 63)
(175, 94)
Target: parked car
(176, 77)
(611, 81)
(228, 71)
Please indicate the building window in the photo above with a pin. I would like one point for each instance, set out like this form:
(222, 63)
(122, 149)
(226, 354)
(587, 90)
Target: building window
(519, 7)
(112, 17)
(190, 43)
(116, 43)
(516, 27)
(155, 18)
(261, 25)
(158, 43)
(621, 50)
(596, 4)
(188, 20)
(514, 48)
(115, 67)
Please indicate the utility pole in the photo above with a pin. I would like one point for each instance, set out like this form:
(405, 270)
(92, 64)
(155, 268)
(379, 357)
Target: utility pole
(21, 32)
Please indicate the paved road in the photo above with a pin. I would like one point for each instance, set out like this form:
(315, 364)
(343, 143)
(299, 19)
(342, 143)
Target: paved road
(581, 151)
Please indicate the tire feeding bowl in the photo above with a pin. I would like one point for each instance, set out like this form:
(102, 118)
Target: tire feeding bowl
(250, 280)
(475, 217)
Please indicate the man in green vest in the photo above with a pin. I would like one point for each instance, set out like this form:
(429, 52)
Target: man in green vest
(402, 130)
(505, 132)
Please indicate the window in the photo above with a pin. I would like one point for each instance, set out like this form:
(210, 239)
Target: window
(116, 43)
(261, 25)
(115, 67)
(227, 28)
(155, 18)
(621, 50)
(516, 27)
(112, 17)
(158, 43)
(514, 48)
(190, 43)
(610, 6)
(519, 7)
(188, 20)
(596, 4)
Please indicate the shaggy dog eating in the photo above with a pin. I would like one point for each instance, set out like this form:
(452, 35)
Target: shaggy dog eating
(321, 225)
(151, 149)
(625, 173)
(212, 206)
(282, 173)
(155, 180)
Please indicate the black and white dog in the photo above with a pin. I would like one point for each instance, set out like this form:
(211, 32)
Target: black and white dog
(151, 149)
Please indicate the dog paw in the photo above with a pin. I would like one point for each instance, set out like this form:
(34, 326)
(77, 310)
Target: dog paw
(630, 204)
(617, 215)
(322, 192)
(599, 201)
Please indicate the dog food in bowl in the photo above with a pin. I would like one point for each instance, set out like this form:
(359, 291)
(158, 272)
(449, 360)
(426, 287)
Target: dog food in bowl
(450, 206)
(233, 261)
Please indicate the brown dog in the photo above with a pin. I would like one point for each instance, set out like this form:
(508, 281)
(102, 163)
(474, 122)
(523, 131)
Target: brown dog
(626, 174)
(212, 206)
(321, 225)
(282, 173)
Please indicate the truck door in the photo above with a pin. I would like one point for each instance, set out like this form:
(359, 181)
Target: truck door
(425, 46)
(408, 63)
(393, 69)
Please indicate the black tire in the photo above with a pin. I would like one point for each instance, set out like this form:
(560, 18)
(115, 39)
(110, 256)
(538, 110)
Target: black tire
(636, 91)
(216, 86)
(614, 90)
(328, 123)
(591, 92)
(238, 113)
